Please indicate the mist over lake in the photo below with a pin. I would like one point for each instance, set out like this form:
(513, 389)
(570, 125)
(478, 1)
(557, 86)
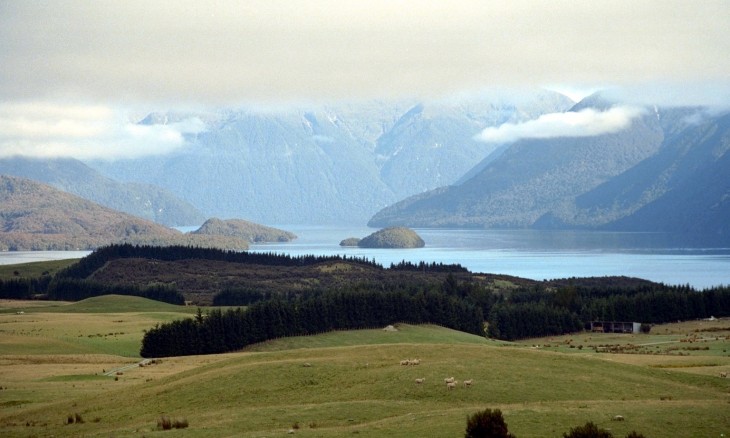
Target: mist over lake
(534, 254)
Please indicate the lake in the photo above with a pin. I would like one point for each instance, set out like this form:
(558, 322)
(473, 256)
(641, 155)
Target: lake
(538, 255)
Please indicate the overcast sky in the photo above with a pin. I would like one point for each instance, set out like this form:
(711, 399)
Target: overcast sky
(119, 55)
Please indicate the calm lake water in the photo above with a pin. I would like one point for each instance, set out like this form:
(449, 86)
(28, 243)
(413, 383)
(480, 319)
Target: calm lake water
(534, 254)
(538, 255)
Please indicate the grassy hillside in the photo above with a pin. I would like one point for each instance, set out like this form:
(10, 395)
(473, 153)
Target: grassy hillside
(34, 269)
(343, 383)
(108, 325)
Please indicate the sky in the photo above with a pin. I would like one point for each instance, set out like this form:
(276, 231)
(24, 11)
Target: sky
(74, 64)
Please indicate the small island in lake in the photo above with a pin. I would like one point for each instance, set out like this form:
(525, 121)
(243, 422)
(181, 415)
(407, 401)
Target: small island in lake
(393, 237)
(350, 241)
(250, 231)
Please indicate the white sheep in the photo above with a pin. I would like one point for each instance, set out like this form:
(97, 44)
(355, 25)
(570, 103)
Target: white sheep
(451, 385)
(421, 380)
(449, 380)
(618, 418)
(415, 362)
(723, 374)
(468, 383)
(404, 362)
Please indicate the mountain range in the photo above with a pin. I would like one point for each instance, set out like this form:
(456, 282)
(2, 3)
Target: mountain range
(668, 171)
(422, 164)
(138, 199)
(326, 164)
(36, 216)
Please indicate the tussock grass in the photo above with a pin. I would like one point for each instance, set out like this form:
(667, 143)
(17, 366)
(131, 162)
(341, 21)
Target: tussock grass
(353, 385)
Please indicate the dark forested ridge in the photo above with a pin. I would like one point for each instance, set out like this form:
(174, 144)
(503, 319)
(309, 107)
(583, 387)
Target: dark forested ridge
(311, 294)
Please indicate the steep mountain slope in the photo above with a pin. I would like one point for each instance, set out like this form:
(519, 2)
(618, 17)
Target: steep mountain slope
(686, 185)
(667, 172)
(73, 176)
(35, 216)
(327, 164)
(530, 178)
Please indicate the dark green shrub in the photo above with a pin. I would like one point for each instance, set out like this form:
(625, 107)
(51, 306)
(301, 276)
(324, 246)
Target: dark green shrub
(588, 430)
(487, 424)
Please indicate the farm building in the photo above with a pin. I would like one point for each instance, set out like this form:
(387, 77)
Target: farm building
(615, 327)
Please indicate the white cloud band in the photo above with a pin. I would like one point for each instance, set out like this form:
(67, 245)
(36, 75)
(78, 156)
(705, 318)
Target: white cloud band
(585, 123)
(85, 132)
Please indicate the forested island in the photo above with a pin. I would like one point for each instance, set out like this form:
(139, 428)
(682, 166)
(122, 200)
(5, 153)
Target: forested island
(391, 237)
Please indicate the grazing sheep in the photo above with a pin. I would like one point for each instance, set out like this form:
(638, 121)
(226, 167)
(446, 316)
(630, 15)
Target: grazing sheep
(449, 380)
(421, 380)
(467, 383)
(618, 418)
(404, 362)
(451, 385)
(415, 362)
(723, 374)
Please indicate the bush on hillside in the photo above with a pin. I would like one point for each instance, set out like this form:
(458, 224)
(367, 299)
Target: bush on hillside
(588, 430)
(487, 424)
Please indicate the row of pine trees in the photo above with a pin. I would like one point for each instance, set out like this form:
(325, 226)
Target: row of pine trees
(221, 331)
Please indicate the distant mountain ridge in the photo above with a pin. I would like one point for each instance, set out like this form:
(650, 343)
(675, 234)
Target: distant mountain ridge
(73, 176)
(35, 216)
(327, 164)
(666, 172)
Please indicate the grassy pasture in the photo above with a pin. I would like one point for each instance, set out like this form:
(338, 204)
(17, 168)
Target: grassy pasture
(34, 269)
(111, 325)
(347, 383)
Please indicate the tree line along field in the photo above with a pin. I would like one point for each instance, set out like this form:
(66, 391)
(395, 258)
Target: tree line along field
(61, 361)
(511, 308)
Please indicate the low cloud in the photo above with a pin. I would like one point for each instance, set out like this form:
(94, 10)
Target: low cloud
(85, 132)
(276, 51)
(585, 123)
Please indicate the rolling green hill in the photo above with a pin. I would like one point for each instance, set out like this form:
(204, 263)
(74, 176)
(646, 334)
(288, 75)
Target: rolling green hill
(351, 383)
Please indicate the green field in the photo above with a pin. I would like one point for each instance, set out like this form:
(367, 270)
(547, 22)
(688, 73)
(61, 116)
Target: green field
(64, 360)
(34, 269)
